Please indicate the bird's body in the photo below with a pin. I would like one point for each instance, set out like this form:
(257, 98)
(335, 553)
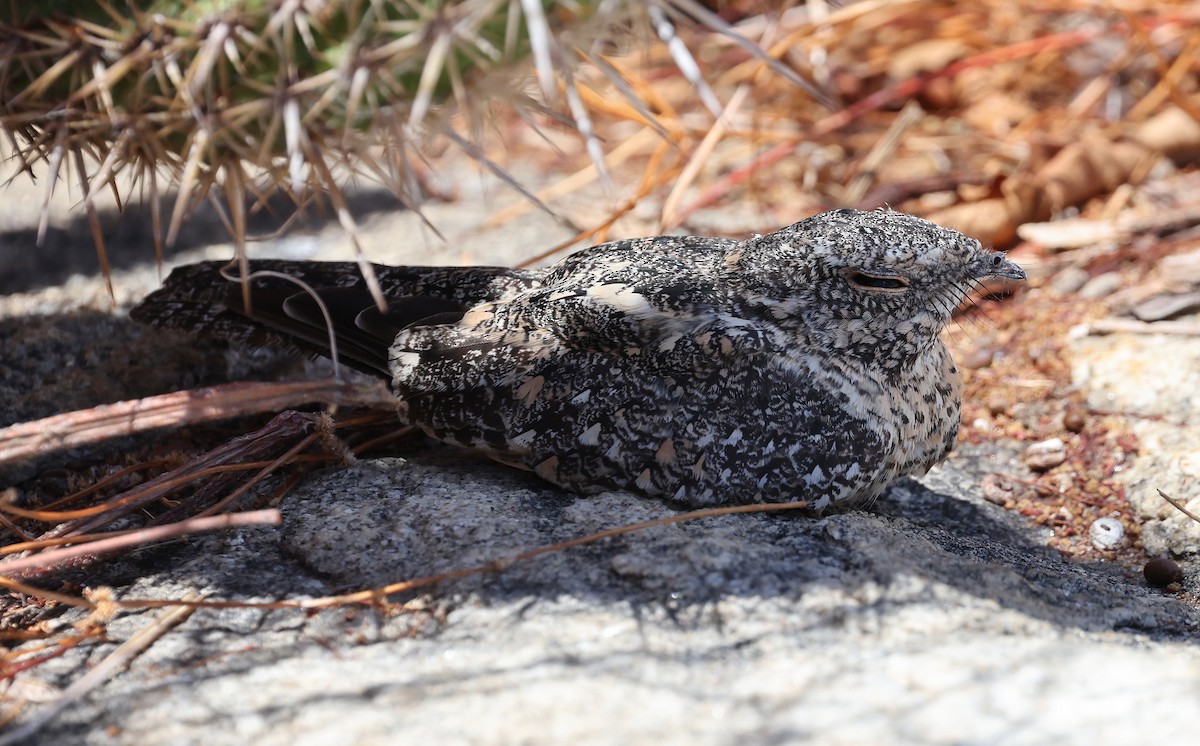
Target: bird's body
(801, 365)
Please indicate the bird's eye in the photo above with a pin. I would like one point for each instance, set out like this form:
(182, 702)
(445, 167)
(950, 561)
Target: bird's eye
(867, 281)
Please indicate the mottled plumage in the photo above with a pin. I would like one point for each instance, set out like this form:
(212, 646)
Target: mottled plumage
(805, 364)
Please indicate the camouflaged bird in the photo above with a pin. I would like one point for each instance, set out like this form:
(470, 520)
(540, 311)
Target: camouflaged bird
(801, 365)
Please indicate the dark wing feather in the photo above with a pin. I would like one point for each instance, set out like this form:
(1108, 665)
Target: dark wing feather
(196, 298)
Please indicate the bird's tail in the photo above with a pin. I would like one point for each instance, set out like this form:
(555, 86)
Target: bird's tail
(283, 312)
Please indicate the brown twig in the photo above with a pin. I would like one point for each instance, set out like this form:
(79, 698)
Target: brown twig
(376, 595)
(73, 429)
(229, 457)
(20, 567)
(1178, 505)
(114, 663)
(1100, 327)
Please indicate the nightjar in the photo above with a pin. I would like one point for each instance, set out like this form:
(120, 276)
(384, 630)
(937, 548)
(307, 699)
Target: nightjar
(801, 365)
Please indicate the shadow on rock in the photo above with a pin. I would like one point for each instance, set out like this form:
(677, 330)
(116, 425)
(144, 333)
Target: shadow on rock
(129, 238)
(58, 363)
(387, 520)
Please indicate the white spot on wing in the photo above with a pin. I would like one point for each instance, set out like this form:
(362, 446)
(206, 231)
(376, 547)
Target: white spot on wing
(623, 298)
(614, 451)
(643, 481)
(666, 344)
(591, 436)
(404, 363)
(525, 438)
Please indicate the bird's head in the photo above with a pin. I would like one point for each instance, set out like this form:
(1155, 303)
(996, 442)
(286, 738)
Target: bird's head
(878, 285)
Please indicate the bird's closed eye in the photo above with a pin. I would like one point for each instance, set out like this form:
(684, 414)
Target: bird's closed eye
(867, 281)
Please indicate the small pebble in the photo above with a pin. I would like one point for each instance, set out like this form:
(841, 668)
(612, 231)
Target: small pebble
(1060, 483)
(998, 403)
(1182, 268)
(1106, 533)
(1045, 455)
(1101, 286)
(1069, 280)
(1075, 415)
(1166, 306)
(1162, 572)
(980, 357)
(998, 489)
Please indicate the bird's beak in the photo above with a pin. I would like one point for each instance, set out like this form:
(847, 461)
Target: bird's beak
(994, 264)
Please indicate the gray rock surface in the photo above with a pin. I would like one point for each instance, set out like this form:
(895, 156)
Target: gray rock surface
(932, 617)
(1155, 381)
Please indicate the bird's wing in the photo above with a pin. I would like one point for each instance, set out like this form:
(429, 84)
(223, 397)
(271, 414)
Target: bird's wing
(620, 333)
(655, 302)
(642, 297)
